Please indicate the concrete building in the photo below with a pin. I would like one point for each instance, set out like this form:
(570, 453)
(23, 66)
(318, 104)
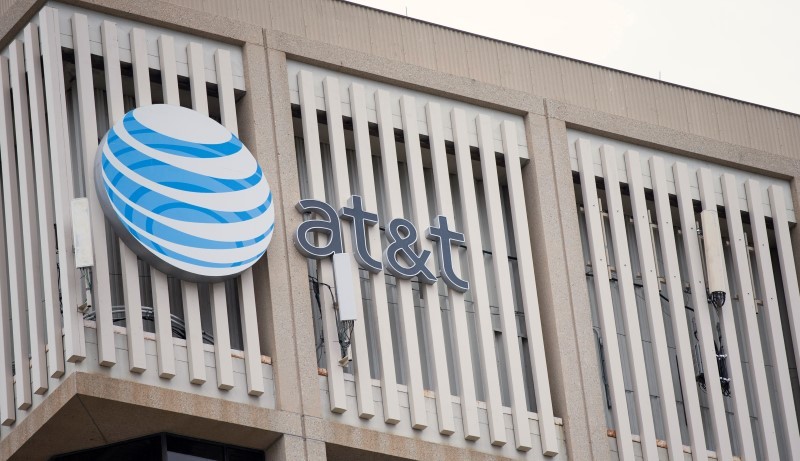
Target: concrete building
(644, 305)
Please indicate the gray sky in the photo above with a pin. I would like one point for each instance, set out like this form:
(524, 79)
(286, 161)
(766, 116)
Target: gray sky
(748, 50)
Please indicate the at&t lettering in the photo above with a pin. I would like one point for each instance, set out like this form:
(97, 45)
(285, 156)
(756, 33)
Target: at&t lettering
(400, 258)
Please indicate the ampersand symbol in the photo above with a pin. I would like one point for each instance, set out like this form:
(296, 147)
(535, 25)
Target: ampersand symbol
(402, 236)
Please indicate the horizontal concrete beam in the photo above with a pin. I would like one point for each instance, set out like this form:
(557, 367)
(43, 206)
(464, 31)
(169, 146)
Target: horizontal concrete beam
(89, 410)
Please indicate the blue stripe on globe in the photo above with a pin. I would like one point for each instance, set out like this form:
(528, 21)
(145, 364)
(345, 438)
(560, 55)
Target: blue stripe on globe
(184, 193)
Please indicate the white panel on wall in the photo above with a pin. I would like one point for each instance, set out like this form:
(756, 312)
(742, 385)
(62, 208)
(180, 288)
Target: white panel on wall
(87, 121)
(740, 404)
(743, 281)
(444, 206)
(341, 181)
(776, 351)
(393, 200)
(419, 198)
(7, 411)
(502, 276)
(649, 280)
(622, 259)
(14, 254)
(316, 182)
(32, 250)
(41, 160)
(787, 265)
(674, 290)
(705, 331)
(62, 172)
(366, 186)
(600, 271)
(129, 265)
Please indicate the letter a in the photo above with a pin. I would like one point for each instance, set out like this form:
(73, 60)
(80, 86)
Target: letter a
(329, 226)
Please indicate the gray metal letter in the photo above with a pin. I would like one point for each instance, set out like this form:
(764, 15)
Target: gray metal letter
(354, 211)
(402, 236)
(446, 238)
(329, 225)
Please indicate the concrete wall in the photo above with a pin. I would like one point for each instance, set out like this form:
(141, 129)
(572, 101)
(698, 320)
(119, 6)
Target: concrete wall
(552, 92)
(518, 68)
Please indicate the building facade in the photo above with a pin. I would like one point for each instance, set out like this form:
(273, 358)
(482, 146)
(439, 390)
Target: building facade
(616, 281)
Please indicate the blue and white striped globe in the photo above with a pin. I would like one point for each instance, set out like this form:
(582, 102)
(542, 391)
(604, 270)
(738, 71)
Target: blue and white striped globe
(184, 193)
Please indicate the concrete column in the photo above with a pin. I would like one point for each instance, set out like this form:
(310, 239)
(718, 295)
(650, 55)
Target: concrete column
(563, 295)
(794, 232)
(292, 337)
(293, 448)
(268, 134)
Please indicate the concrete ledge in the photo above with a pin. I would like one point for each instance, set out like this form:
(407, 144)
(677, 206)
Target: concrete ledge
(14, 19)
(371, 443)
(40, 417)
(402, 74)
(154, 12)
(178, 18)
(89, 410)
(783, 166)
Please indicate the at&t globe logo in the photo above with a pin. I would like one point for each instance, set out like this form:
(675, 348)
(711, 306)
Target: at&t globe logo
(184, 193)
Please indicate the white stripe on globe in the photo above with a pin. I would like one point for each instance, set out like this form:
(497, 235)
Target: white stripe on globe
(216, 256)
(224, 232)
(240, 167)
(223, 201)
(192, 128)
(211, 274)
(183, 184)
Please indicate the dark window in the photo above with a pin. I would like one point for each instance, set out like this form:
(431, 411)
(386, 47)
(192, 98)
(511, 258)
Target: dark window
(164, 447)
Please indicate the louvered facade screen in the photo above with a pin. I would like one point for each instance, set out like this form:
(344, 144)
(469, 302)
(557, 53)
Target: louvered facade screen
(658, 319)
(677, 371)
(467, 366)
(63, 82)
